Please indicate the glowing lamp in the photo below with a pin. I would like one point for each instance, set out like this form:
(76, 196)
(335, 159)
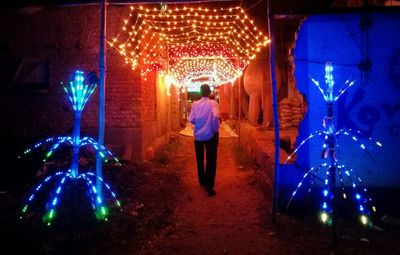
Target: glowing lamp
(333, 170)
(78, 93)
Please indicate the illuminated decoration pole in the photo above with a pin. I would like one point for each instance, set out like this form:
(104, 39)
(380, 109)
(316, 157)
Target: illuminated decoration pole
(76, 135)
(275, 109)
(76, 139)
(77, 126)
(334, 170)
(102, 65)
(330, 144)
(78, 94)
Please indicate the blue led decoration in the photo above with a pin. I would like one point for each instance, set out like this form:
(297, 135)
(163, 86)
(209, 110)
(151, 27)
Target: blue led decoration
(333, 170)
(78, 93)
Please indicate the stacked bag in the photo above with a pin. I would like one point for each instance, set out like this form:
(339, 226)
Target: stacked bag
(290, 112)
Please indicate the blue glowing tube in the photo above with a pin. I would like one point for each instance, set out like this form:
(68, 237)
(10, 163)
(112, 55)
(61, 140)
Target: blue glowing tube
(37, 189)
(39, 144)
(354, 135)
(51, 213)
(67, 140)
(314, 169)
(117, 203)
(104, 153)
(96, 199)
(312, 135)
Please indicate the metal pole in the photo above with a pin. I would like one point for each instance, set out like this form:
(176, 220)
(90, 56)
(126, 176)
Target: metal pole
(102, 66)
(332, 173)
(240, 105)
(166, 113)
(275, 108)
(75, 169)
(75, 147)
(232, 107)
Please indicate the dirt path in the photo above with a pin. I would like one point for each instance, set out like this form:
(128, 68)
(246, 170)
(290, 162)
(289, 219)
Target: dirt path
(165, 211)
(230, 222)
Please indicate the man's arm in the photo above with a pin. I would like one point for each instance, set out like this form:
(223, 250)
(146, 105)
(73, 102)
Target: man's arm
(215, 118)
(192, 115)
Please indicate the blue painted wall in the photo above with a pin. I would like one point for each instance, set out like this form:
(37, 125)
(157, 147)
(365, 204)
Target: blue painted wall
(371, 106)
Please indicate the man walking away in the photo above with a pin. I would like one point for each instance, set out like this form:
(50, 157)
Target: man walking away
(205, 117)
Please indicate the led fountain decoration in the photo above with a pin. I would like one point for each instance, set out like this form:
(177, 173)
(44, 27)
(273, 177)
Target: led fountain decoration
(334, 170)
(78, 93)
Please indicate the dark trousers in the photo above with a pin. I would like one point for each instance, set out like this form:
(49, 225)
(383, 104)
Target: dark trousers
(207, 177)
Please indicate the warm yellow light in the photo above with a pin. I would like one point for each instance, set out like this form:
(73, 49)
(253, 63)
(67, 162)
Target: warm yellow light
(324, 217)
(364, 219)
(195, 28)
(169, 80)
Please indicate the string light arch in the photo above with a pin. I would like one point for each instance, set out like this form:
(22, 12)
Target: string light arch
(217, 69)
(184, 41)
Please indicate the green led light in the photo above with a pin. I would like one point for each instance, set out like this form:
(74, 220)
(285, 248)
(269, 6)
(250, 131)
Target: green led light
(101, 213)
(25, 209)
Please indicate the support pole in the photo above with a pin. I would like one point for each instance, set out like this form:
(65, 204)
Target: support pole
(102, 67)
(240, 105)
(231, 116)
(275, 108)
(75, 147)
(332, 172)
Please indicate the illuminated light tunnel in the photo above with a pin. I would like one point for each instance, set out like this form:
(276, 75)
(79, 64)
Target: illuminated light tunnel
(156, 39)
(217, 69)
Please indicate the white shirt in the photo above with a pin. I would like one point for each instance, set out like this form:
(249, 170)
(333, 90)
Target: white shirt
(205, 117)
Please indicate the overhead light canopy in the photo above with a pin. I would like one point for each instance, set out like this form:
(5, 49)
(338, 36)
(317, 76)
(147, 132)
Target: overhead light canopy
(185, 41)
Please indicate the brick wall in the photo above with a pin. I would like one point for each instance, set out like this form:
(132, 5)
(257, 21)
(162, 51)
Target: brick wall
(69, 38)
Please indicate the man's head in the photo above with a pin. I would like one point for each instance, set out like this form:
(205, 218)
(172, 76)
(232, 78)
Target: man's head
(205, 90)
